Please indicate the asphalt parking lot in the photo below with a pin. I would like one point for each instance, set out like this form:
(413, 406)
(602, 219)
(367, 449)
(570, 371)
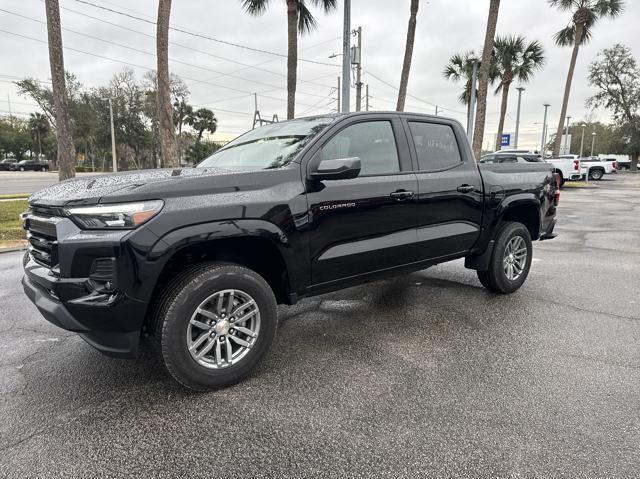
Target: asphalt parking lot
(426, 375)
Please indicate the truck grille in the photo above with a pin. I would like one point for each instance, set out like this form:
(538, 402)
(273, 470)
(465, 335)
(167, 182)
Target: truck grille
(40, 224)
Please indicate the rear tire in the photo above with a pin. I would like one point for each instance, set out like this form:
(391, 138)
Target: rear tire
(510, 260)
(197, 319)
(596, 175)
(22, 168)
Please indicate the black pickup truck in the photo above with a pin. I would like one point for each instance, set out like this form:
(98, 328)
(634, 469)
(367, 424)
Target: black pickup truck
(196, 259)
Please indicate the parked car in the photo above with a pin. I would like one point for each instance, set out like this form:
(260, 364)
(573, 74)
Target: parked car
(30, 165)
(5, 165)
(511, 158)
(198, 258)
(596, 167)
(566, 168)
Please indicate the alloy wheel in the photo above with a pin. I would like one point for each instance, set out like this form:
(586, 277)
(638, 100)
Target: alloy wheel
(223, 329)
(515, 258)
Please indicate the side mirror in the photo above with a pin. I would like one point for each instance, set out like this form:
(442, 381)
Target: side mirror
(340, 169)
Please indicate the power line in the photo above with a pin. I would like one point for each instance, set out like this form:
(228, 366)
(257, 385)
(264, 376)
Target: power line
(212, 55)
(200, 35)
(141, 66)
(413, 96)
(145, 52)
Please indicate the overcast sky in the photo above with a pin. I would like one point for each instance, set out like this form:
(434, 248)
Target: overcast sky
(444, 28)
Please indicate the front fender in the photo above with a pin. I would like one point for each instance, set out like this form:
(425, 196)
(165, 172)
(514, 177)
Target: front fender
(171, 243)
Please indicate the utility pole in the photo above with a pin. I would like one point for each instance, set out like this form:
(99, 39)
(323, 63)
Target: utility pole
(357, 60)
(113, 136)
(10, 115)
(338, 107)
(544, 131)
(472, 102)
(346, 54)
(593, 141)
(436, 110)
(367, 97)
(520, 90)
(582, 141)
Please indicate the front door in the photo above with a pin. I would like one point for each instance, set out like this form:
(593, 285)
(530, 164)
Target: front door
(363, 224)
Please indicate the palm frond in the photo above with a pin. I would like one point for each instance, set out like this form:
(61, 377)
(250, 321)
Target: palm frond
(306, 20)
(609, 8)
(566, 37)
(326, 5)
(255, 7)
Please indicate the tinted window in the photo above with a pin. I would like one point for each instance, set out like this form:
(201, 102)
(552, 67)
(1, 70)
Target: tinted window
(436, 145)
(373, 142)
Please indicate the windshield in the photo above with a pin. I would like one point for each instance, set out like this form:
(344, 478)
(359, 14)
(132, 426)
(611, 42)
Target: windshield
(271, 146)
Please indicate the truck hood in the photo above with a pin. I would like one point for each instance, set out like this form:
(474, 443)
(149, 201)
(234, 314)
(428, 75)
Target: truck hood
(135, 185)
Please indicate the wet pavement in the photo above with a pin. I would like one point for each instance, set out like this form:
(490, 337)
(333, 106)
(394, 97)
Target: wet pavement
(425, 375)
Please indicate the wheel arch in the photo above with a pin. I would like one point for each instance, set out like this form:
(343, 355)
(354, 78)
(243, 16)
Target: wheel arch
(258, 245)
(525, 210)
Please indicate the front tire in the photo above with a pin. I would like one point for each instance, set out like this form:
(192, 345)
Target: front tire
(215, 323)
(22, 168)
(510, 260)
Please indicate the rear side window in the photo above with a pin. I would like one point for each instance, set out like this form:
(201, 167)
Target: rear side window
(436, 145)
(372, 141)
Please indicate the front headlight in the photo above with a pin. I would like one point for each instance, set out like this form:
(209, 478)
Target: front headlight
(116, 216)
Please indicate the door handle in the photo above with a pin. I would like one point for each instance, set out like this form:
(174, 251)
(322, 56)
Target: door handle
(401, 194)
(466, 188)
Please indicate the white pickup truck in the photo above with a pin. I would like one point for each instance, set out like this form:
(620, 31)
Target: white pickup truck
(567, 167)
(596, 168)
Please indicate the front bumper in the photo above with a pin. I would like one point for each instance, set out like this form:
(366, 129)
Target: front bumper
(109, 322)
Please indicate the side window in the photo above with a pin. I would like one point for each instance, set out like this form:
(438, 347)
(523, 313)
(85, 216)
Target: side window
(372, 141)
(508, 159)
(436, 145)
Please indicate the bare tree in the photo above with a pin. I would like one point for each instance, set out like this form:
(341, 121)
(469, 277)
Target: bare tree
(168, 144)
(66, 148)
(408, 55)
(483, 77)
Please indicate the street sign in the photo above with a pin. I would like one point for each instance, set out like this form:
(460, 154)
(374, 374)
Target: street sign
(506, 139)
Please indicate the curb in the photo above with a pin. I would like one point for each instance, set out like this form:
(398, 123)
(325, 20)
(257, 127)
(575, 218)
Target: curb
(13, 250)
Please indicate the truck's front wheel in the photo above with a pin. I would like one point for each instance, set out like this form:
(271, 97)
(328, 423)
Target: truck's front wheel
(215, 324)
(510, 261)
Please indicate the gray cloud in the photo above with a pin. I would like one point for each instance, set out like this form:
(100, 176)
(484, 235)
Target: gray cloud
(444, 28)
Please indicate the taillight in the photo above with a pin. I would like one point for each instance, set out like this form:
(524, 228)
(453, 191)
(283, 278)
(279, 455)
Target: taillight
(614, 166)
(576, 165)
(556, 199)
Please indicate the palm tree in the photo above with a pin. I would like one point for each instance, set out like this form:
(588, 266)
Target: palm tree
(168, 144)
(408, 55)
(299, 20)
(39, 127)
(66, 148)
(460, 67)
(203, 120)
(483, 77)
(515, 59)
(584, 15)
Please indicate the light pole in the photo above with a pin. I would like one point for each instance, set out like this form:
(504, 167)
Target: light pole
(582, 142)
(472, 101)
(593, 141)
(544, 130)
(566, 137)
(346, 57)
(113, 136)
(520, 90)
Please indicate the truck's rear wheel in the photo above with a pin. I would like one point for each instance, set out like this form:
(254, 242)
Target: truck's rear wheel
(510, 261)
(596, 174)
(215, 324)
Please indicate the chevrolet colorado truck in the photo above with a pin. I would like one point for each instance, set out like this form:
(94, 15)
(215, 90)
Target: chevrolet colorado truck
(196, 259)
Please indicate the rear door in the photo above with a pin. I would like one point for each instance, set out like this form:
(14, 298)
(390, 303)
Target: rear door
(364, 224)
(450, 191)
